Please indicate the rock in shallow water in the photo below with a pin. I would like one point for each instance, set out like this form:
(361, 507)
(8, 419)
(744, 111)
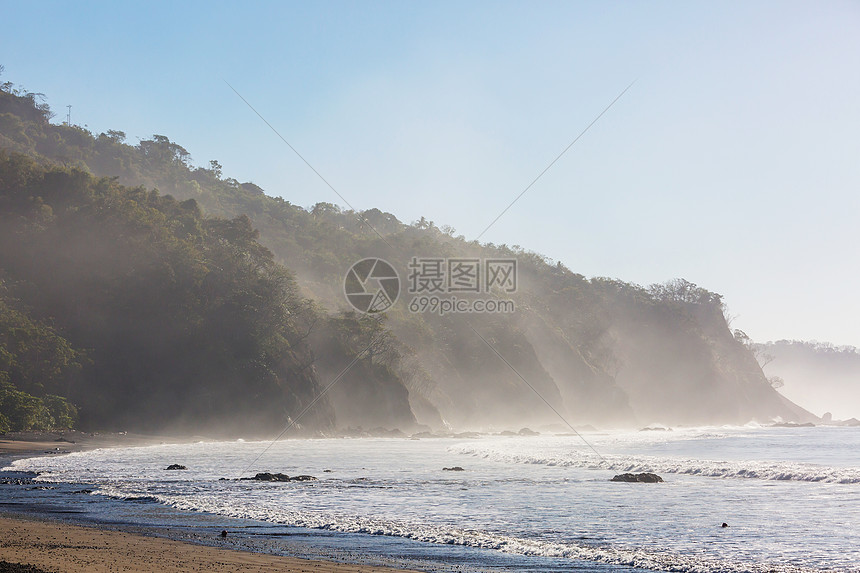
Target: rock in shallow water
(268, 476)
(638, 478)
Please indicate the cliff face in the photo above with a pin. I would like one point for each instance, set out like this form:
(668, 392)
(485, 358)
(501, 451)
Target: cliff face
(359, 360)
(694, 374)
(601, 351)
(589, 391)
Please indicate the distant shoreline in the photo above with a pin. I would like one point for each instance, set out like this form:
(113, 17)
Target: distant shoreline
(31, 444)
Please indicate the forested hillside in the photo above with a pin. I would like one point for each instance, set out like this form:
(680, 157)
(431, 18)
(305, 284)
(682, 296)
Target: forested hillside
(605, 352)
(167, 317)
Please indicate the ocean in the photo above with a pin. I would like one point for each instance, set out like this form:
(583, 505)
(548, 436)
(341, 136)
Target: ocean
(790, 497)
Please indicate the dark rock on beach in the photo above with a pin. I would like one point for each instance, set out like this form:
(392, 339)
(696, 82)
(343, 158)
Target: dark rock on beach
(176, 467)
(386, 433)
(454, 469)
(467, 435)
(268, 476)
(638, 478)
(378, 432)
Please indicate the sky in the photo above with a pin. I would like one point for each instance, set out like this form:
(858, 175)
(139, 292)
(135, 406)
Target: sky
(733, 160)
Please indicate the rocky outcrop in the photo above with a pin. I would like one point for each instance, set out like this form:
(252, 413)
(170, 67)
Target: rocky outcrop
(268, 476)
(638, 478)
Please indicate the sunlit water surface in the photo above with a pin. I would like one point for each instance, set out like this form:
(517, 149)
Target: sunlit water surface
(791, 496)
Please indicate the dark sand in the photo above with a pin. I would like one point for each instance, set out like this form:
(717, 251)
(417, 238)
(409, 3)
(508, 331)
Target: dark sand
(62, 548)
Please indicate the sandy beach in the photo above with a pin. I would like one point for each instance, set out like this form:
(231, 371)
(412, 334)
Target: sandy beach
(18, 444)
(63, 548)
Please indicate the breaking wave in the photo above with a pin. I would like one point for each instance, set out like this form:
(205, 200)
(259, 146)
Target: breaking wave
(444, 535)
(764, 470)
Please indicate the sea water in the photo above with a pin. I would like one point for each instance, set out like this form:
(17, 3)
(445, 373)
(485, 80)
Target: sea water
(790, 496)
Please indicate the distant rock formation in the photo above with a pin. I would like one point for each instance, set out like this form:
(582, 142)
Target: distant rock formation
(176, 467)
(823, 377)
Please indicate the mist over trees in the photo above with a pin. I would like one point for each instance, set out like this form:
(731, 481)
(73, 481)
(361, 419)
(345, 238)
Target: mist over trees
(180, 318)
(186, 298)
(820, 375)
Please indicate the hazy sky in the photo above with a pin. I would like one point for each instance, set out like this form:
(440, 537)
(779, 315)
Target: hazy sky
(733, 162)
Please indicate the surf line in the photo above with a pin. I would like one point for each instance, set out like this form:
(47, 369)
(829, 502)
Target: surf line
(539, 395)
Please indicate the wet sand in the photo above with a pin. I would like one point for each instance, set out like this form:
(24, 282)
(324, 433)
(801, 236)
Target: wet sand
(59, 547)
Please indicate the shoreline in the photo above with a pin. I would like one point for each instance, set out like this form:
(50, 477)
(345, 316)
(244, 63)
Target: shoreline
(19, 445)
(54, 544)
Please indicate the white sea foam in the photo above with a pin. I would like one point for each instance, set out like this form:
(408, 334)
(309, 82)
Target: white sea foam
(429, 533)
(782, 471)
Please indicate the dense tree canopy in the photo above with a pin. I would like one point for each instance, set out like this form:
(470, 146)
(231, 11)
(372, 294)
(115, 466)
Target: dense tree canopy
(181, 316)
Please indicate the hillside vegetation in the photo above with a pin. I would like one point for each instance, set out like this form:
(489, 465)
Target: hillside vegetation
(186, 296)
